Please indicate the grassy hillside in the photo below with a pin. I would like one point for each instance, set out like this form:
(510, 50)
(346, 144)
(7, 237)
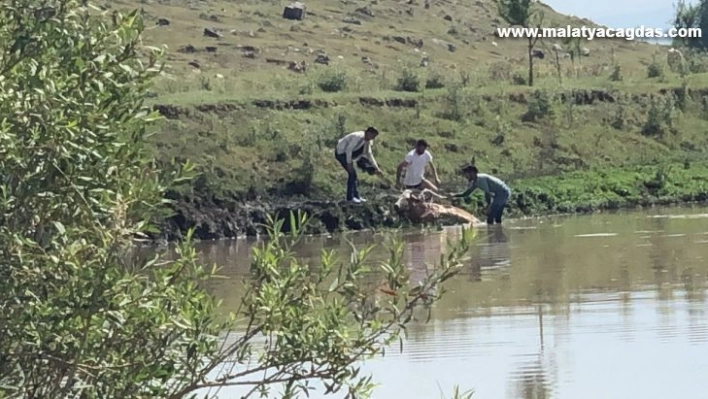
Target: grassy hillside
(258, 124)
(359, 36)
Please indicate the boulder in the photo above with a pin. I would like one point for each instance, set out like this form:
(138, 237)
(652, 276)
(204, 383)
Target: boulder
(298, 67)
(294, 11)
(350, 20)
(366, 10)
(322, 58)
(538, 54)
(211, 32)
(416, 42)
(189, 49)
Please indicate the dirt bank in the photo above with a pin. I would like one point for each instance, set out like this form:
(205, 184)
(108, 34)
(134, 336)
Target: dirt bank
(215, 221)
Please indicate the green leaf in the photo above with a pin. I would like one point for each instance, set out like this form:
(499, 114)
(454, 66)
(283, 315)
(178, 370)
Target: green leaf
(60, 228)
(334, 285)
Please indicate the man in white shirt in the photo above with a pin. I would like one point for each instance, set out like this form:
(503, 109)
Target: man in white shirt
(351, 148)
(415, 163)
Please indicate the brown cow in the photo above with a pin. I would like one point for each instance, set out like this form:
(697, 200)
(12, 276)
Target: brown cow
(421, 210)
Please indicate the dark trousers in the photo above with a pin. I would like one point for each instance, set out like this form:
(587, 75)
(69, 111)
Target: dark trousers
(352, 191)
(496, 209)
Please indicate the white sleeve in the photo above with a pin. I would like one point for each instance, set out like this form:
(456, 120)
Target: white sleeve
(408, 158)
(430, 156)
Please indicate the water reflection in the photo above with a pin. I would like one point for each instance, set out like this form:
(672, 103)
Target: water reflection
(530, 379)
(422, 252)
(492, 252)
(609, 306)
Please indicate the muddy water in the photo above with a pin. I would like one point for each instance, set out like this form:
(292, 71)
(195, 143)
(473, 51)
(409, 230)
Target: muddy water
(602, 306)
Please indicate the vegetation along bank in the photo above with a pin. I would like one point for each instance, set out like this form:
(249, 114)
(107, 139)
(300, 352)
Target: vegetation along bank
(257, 102)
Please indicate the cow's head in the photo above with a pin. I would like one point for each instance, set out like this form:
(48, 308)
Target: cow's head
(403, 202)
(410, 205)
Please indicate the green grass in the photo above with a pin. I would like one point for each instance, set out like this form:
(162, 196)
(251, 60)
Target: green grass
(613, 188)
(466, 112)
(252, 151)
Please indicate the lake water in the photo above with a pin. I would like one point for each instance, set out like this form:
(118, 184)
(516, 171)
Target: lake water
(601, 306)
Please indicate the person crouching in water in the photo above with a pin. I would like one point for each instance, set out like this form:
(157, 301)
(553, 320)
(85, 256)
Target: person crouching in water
(414, 163)
(353, 147)
(496, 192)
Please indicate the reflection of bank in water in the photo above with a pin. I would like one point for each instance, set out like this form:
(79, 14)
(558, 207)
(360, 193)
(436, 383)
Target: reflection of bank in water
(491, 252)
(422, 253)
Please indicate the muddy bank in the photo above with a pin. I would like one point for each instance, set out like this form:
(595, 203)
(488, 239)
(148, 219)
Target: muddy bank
(216, 221)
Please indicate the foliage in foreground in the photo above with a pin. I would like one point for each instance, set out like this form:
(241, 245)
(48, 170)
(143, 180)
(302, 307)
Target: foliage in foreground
(80, 316)
(317, 323)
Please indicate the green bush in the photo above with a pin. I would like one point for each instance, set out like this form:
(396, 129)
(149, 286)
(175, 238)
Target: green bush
(616, 75)
(435, 81)
(660, 116)
(333, 81)
(655, 69)
(456, 107)
(408, 81)
(539, 107)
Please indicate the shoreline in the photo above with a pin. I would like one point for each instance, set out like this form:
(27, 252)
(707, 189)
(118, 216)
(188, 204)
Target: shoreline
(409, 227)
(214, 223)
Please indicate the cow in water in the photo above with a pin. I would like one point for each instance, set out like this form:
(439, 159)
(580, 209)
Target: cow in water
(420, 208)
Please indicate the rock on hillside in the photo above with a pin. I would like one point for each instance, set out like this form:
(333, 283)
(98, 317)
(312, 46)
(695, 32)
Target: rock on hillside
(451, 33)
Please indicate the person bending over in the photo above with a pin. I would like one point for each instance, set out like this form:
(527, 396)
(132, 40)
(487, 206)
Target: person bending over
(415, 163)
(353, 147)
(496, 192)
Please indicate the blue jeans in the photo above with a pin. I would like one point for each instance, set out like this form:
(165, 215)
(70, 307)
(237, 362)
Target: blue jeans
(496, 208)
(352, 191)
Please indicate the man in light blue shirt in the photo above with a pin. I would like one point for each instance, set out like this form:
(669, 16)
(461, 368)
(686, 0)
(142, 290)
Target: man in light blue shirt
(496, 192)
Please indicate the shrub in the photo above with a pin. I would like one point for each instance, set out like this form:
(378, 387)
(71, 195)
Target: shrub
(408, 81)
(455, 104)
(519, 79)
(655, 69)
(696, 61)
(539, 107)
(616, 75)
(435, 81)
(619, 118)
(333, 81)
(500, 71)
(660, 116)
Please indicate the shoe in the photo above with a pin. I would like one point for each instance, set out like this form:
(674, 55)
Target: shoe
(360, 199)
(356, 200)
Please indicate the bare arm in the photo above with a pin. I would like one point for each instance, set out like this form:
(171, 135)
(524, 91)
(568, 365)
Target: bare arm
(464, 194)
(370, 155)
(467, 192)
(435, 172)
